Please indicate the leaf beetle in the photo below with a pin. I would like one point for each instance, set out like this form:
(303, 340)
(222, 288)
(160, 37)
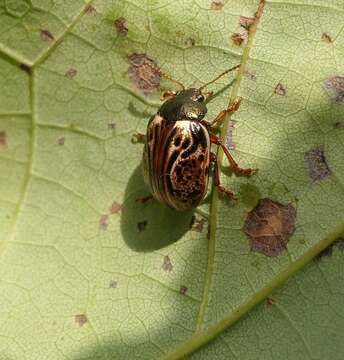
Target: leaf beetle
(177, 155)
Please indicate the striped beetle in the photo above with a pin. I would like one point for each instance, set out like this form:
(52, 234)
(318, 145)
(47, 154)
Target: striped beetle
(177, 154)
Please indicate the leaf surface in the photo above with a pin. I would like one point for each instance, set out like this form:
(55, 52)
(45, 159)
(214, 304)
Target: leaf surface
(86, 271)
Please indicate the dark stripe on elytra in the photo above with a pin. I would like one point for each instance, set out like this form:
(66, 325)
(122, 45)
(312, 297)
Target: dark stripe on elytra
(171, 161)
(154, 159)
(194, 143)
(198, 133)
(157, 143)
(162, 171)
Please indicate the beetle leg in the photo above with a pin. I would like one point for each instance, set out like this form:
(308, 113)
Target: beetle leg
(138, 138)
(166, 94)
(233, 164)
(232, 108)
(206, 124)
(208, 95)
(145, 199)
(217, 183)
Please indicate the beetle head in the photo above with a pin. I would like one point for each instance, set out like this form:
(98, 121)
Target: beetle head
(187, 104)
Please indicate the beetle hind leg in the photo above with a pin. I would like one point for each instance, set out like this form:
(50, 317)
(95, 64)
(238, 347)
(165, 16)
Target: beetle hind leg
(233, 164)
(217, 182)
(138, 138)
(145, 199)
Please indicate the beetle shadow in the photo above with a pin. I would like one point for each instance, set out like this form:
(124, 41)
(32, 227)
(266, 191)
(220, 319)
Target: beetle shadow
(149, 226)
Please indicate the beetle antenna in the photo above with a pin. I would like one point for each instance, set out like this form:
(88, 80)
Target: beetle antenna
(168, 77)
(218, 77)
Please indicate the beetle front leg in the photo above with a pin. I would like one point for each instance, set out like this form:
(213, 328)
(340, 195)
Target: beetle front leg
(233, 164)
(208, 95)
(166, 94)
(217, 183)
(138, 138)
(232, 108)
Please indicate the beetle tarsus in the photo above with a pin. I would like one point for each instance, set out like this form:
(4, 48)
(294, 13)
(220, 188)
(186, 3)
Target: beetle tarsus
(217, 183)
(208, 95)
(228, 193)
(145, 199)
(244, 172)
(138, 138)
(233, 164)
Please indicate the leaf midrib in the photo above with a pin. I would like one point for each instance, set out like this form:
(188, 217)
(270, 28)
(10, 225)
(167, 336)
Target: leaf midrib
(215, 195)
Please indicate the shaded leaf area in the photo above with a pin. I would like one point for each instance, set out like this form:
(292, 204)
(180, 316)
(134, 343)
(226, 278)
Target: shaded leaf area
(88, 272)
(276, 131)
(301, 320)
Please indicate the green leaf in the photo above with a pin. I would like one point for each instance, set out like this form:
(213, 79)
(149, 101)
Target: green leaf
(301, 320)
(87, 272)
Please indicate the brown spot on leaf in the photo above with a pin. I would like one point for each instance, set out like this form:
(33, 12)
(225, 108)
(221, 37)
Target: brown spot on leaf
(197, 224)
(325, 253)
(189, 42)
(104, 222)
(238, 38)
(338, 125)
(70, 73)
(144, 72)
(325, 37)
(167, 265)
(183, 289)
(112, 126)
(335, 85)
(216, 5)
(46, 35)
(250, 74)
(246, 22)
(81, 319)
(61, 141)
(3, 139)
(317, 165)
(280, 89)
(270, 301)
(113, 284)
(339, 243)
(180, 33)
(26, 68)
(141, 226)
(121, 27)
(90, 9)
(115, 208)
(208, 232)
(269, 226)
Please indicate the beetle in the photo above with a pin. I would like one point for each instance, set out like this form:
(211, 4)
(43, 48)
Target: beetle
(177, 155)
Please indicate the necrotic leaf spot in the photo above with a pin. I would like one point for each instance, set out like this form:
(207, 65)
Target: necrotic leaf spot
(144, 72)
(269, 226)
(317, 165)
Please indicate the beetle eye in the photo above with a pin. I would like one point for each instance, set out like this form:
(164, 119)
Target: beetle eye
(200, 98)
